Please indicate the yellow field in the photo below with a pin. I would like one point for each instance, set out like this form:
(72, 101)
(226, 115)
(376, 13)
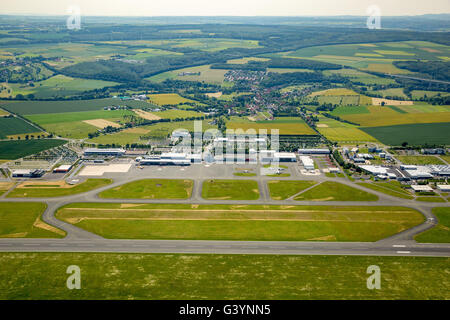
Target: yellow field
(214, 94)
(146, 115)
(384, 116)
(3, 113)
(379, 101)
(284, 128)
(102, 123)
(167, 98)
(334, 92)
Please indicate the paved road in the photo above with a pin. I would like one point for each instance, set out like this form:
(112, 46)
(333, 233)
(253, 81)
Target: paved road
(78, 240)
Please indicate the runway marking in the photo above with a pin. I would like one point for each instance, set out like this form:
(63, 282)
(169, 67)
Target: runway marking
(399, 246)
(58, 245)
(34, 244)
(403, 252)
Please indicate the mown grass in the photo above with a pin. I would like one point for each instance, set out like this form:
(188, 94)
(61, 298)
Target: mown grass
(88, 185)
(13, 126)
(419, 160)
(230, 190)
(219, 276)
(151, 189)
(240, 222)
(441, 232)
(23, 220)
(281, 190)
(335, 191)
(388, 188)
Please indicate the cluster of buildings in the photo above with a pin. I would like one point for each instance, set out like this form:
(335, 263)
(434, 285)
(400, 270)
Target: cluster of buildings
(408, 172)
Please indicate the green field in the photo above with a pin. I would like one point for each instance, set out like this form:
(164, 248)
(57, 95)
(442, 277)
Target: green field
(71, 125)
(58, 86)
(385, 116)
(142, 134)
(358, 76)
(23, 220)
(207, 75)
(239, 222)
(375, 57)
(230, 190)
(178, 114)
(419, 160)
(112, 276)
(13, 126)
(414, 134)
(281, 190)
(40, 192)
(151, 189)
(40, 107)
(441, 232)
(335, 191)
(342, 132)
(390, 188)
(10, 150)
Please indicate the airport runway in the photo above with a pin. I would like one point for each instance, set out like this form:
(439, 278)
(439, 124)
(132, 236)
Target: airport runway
(78, 240)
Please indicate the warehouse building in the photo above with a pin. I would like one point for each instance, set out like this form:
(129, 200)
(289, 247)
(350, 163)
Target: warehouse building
(307, 163)
(314, 151)
(27, 173)
(115, 152)
(62, 168)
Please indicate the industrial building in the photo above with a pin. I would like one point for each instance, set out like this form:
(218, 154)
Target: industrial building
(27, 173)
(314, 151)
(443, 187)
(115, 152)
(166, 159)
(62, 168)
(421, 188)
(307, 162)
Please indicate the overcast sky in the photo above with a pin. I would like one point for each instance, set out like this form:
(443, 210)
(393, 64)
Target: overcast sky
(223, 7)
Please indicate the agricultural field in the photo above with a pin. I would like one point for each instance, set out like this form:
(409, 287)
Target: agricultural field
(361, 77)
(23, 220)
(285, 125)
(230, 190)
(57, 86)
(419, 94)
(15, 126)
(385, 116)
(396, 92)
(151, 189)
(202, 74)
(414, 134)
(15, 149)
(243, 222)
(77, 125)
(341, 97)
(46, 107)
(168, 99)
(55, 188)
(440, 233)
(375, 57)
(220, 277)
(204, 44)
(281, 190)
(178, 114)
(142, 134)
(342, 132)
(335, 191)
